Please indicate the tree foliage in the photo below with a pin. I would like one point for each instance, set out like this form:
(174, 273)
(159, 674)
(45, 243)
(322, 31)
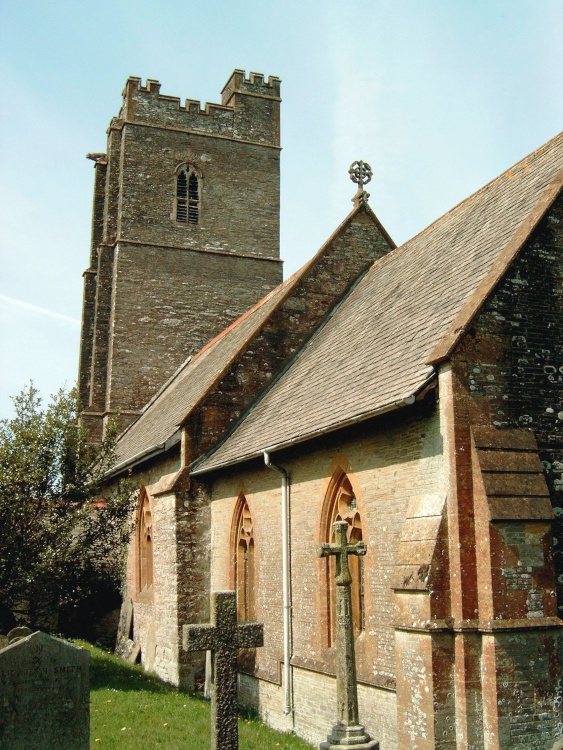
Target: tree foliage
(61, 552)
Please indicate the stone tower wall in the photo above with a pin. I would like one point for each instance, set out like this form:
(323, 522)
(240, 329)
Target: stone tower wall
(157, 290)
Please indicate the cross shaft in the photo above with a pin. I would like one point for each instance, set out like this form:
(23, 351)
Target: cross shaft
(341, 549)
(223, 637)
(347, 731)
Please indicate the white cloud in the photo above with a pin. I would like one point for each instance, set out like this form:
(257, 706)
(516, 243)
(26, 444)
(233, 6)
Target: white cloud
(28, 307)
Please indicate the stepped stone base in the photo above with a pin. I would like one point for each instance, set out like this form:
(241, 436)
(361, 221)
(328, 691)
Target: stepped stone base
(345, 737)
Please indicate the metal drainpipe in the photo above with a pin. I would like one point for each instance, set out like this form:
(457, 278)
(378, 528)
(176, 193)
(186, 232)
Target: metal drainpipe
(286, 584)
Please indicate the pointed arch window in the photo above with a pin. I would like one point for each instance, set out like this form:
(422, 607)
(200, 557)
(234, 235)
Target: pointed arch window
(341, 505)
(188, 196)
(242, 545)
(145, 567)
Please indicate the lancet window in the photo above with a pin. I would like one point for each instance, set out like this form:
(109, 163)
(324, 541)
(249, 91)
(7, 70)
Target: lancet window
(243, 559)
(188, 198)
(341, 505)
(145, 543)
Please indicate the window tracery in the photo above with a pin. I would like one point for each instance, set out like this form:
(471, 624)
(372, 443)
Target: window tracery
(341, 505)
(145, 544)
(243, 542)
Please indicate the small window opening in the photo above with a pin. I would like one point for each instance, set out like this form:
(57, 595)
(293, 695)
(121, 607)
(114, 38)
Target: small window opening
(187, 197)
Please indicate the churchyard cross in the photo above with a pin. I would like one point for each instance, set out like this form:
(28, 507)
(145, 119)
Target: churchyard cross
(223, 637)
(347, 732)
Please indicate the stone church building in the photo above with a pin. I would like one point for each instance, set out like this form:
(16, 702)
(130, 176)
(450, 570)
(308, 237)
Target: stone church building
(413, 391)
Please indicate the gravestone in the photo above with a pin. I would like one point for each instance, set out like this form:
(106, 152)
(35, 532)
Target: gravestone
(223, 637)
(347, 732)
(125, 647)
(16, 634)
(44, 695)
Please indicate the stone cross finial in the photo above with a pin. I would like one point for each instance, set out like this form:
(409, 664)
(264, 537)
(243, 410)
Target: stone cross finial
(347, 731)
(361, 173)
(223, 637)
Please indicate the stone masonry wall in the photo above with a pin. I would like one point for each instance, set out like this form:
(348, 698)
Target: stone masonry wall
(506, 377)
(510, 364)
(101, 333)
(338, 265)
(155, 611)
(315, 693)
(167, 304)
(164, 288)
(89, 296)
(239, 170)
(112, 186)
(525, 715)
(388, 462)
(345, 258)
(258, 98)
(239, 211)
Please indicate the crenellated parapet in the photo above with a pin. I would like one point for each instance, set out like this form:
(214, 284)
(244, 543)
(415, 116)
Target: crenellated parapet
(174, 262)
(254, 85)
(249, 110)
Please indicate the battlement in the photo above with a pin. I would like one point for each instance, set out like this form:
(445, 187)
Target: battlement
(253, 85)
(249, 108)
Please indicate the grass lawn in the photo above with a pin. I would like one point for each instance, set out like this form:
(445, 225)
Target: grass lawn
(130, 710)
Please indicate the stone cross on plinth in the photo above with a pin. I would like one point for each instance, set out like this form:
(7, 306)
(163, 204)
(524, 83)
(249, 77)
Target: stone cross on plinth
(347, 732)
(223, 637)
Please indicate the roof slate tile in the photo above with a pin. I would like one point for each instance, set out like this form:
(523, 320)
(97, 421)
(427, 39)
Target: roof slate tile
(158, 425)
(373, 351)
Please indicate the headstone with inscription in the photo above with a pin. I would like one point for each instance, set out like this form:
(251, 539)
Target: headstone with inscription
(44, 695)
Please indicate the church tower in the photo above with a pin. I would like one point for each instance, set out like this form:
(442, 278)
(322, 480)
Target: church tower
(185, 236)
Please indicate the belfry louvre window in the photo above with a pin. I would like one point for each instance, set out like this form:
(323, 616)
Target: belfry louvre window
(187, 196)
(340, 505)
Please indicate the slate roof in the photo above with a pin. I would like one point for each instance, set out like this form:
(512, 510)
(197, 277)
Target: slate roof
(161, 416)
(378, 349)
(157, 428)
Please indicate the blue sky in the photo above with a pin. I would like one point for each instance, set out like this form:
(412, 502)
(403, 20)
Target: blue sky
(438, 96)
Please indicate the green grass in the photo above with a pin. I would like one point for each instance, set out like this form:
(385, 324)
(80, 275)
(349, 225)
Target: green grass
(131, 710)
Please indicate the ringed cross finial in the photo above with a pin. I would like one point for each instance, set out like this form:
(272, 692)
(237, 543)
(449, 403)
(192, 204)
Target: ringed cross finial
(361, 173)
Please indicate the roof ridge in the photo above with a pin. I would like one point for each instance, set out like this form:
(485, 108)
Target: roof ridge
(290, 283)
(491, 225)
(392, 254)
(261, 396)
(482, 189)
(474, 303)
(283, 289)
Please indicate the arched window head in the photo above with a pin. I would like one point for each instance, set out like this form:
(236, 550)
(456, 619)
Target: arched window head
(242, 546)
(188, 198)
(144, 543)
(340, 505)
